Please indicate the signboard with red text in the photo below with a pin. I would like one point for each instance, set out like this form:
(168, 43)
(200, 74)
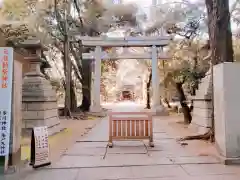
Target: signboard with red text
(6, 78)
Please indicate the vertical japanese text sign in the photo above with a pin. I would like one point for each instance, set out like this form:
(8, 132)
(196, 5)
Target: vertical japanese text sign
(6, 71)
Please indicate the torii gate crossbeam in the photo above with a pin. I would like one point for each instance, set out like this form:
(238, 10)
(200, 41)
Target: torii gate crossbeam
(107, 56)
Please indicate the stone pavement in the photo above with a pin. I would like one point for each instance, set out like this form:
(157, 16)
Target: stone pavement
(168, 160)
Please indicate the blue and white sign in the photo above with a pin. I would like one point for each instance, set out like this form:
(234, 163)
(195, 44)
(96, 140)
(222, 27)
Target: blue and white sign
(6, 78)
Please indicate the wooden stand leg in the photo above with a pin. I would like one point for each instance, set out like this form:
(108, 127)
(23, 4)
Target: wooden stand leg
(110, 144)
(151, 144)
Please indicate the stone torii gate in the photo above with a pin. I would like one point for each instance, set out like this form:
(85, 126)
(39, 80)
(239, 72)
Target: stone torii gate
(98, 55)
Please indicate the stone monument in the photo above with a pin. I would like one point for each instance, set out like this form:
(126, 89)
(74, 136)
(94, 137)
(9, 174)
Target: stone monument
(38, 97)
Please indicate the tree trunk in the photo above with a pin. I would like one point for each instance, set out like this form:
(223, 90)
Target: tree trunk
(220, 41)
(167, 102)
(86, 85)
(148, 106)
(185, 108)
(220, 34)
(73, 97)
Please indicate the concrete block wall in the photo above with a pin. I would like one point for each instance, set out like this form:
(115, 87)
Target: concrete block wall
(202, 112)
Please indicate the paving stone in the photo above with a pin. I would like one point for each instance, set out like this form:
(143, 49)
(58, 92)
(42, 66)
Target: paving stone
(113, 173)
(110, 160)
(134, 160)
(78, 162)
(169, 154)
(133, 147)
(160, 171)
(87, 148)
(166, 147)
(119, 144)
(90, 145)
(86, 152)
(62, 174)
(91, 148)
(163, 136)
(167, 141)
(195, 160)
(210, 177)
(94, 138)
(169, 151)
(209, 169)
(100, 132)
(215, 177)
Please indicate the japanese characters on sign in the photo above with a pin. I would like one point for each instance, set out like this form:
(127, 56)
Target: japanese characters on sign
(4, 74)
(4, 133)
(41, 145)
(6, 70)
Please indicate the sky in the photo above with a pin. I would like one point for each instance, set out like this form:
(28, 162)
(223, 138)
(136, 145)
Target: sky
(146, 4)
(143, 4)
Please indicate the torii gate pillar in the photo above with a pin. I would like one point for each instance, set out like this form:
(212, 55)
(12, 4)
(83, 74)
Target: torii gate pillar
(157, 107)
(96, 83)
(155, 78)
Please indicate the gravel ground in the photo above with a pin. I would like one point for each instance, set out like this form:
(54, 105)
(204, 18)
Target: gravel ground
(59, 143)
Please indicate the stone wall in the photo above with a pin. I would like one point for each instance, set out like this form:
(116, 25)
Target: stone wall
(202, 112)
(226, 111)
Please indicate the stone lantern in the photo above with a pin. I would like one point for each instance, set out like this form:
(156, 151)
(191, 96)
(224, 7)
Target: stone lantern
(38, 97)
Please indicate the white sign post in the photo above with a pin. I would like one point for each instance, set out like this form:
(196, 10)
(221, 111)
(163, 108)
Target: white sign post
(6, 78)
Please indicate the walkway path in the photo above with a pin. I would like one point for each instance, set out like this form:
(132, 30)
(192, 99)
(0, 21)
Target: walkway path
(168, 160)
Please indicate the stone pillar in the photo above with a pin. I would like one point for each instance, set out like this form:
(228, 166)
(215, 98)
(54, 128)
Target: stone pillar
(92, 85)
(96, 106)
(38, 97)
(155, 78)
(157, 107)
(226, 111)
